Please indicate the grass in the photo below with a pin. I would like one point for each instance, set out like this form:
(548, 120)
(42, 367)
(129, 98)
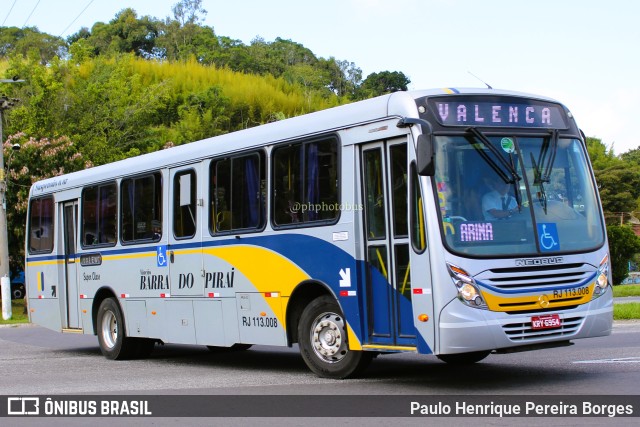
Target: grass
(626, 311)
(18, 313)
(626, 291)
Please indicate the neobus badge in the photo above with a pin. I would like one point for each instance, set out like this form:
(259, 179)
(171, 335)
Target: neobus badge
(539, 261)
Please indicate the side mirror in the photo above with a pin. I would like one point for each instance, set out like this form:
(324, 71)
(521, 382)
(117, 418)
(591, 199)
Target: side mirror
(425, 152)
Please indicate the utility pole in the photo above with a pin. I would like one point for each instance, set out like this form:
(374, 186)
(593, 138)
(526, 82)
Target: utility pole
(5, 283)
(4, 242)
(5, 104)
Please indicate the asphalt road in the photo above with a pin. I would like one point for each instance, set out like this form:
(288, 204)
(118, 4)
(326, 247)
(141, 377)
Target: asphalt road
(37, 361)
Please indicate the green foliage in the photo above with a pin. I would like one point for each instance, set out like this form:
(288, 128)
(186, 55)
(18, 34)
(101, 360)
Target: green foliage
(125, 33)
(631, 156)
(182, 37)
(619, 187)
(623, 244)
(114, 107)
(601, 157)
(626, 291)
(37, 159)
(384, 82)
(626, 311)
(29, 42)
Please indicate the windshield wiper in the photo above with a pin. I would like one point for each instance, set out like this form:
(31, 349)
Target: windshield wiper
(539, 181)
(509, 166)
(541, 177)
(552, 156)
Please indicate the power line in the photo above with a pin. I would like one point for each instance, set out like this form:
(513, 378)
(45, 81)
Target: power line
(76, 18)
(29, 17)
(9, 13)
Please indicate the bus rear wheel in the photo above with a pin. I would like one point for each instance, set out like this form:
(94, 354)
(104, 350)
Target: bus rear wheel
(322, 336)
(464, 358)
(111, 335)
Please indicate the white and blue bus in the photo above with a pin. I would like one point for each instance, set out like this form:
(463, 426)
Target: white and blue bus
(451, 222)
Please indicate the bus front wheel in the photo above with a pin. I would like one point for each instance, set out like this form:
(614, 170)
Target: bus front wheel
(322, 336)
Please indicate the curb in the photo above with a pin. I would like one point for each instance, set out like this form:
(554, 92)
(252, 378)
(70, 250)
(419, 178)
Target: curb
(18, 325)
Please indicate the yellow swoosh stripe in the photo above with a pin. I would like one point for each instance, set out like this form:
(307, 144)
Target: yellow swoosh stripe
(533, 302)
(269, 271)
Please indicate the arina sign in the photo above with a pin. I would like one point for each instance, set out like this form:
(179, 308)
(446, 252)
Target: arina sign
(494, 114)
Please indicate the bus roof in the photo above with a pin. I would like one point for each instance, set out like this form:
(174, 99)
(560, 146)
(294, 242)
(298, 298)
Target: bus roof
(398, 104)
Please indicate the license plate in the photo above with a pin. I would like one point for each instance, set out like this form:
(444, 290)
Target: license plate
(550, 321)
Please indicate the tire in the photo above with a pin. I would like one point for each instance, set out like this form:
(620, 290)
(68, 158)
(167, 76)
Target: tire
(322, 336)
(17, 292)
(464, 358)
(114, 344)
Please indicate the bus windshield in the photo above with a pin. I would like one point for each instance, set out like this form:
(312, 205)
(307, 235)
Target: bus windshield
(515, 195)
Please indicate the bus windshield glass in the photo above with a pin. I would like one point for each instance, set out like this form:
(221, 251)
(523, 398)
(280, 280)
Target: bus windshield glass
(515, 195)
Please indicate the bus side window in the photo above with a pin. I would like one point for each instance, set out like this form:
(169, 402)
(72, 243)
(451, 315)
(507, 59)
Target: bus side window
(99, 215)
(184, 204)
(236, 189)
(141, 208)
(399, 189)
(41, 225)
(306, 182)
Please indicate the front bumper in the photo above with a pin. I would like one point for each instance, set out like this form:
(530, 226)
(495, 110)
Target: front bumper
(464, 329)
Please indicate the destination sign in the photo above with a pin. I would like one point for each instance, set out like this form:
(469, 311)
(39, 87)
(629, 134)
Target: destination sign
(470, 112)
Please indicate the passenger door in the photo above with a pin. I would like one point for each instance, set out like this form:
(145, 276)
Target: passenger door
(388, 275)
(70, 237)
(185, 231)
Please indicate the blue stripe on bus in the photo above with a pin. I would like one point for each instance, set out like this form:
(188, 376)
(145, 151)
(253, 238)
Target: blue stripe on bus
(46, 258)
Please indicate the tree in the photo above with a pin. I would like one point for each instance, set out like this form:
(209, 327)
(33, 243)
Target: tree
(181, 43)
(344, 76)
(29, 41)
(42, 95)
(126, 33)
(382, 83)
(37, 159)
(182, 37)
(632, 156)
(202, 115)
(623, 244)
(601, 157)
(188, 12)
(619, 187)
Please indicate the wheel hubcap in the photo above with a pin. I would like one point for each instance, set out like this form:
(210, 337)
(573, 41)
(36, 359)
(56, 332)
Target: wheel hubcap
(327, 337)
(109, 329)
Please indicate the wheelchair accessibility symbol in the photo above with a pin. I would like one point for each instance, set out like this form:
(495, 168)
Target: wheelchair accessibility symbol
(162, 256)
(548, 236)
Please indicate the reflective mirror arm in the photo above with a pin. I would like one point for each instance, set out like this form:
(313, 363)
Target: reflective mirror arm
(424, 145)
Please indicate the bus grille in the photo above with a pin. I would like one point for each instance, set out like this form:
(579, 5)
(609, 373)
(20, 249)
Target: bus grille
(538, 277)
(522, 332)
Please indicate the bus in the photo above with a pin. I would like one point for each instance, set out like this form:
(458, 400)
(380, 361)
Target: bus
(353, 232)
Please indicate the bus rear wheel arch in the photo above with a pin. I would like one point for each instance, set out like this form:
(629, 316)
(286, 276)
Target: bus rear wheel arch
(114, 344)
(322, 338)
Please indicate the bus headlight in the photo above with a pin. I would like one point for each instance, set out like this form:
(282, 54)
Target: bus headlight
(602, 280)
(468, 291)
